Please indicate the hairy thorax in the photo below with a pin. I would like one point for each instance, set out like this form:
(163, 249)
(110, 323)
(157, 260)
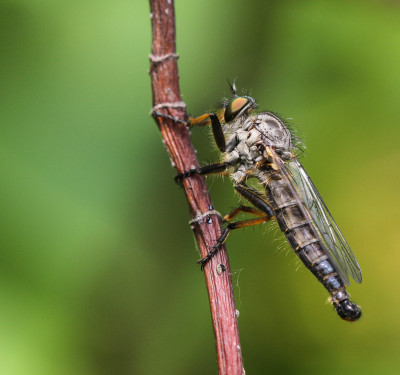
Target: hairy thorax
(247, 140)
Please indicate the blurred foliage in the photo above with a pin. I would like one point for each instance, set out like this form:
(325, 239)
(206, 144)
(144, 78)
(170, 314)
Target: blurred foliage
(98, 272)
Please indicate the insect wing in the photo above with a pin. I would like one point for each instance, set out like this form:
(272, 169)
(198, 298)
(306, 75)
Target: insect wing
(329, 232)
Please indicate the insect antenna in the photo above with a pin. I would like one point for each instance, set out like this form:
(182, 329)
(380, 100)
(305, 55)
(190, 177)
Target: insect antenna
(233, 87)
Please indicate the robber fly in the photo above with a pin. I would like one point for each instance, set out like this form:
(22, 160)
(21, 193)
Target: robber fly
(261, 146)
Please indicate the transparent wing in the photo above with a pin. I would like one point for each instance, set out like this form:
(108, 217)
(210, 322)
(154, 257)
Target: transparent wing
(339, 250)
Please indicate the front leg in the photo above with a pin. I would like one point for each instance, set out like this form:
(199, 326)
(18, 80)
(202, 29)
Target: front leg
(155, 114)
(206, 119)
(215, 120)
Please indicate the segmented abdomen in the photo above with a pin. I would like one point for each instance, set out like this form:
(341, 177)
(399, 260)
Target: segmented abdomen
(299, 230)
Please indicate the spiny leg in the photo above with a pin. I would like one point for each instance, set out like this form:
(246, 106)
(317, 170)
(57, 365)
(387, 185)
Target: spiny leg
(206, 119)
(255, 198)
(155, 114)
(231, 226)
(239, 224)
(263, 209)
(219, 137)
(208, 169)
(218, 132)
(245, 209)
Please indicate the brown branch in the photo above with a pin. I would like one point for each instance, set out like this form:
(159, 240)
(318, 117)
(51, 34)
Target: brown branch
(206, 223)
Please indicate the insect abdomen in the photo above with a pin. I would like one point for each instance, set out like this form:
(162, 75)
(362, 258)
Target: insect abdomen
(298, 230)
(301, 235)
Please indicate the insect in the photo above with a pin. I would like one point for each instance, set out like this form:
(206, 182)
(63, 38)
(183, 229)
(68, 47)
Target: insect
(261, 146)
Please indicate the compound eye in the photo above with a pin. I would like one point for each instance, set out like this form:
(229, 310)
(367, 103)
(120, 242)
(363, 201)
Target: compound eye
(234, 107)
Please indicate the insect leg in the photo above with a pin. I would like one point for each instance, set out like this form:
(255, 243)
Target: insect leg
(246, 209)
(216, 127)
(262, 209)
(255, 198)
(208, 169)
(217, 132)
(155, 114)
(231, 226)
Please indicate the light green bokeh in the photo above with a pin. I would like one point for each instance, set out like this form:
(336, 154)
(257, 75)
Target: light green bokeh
(98, 272)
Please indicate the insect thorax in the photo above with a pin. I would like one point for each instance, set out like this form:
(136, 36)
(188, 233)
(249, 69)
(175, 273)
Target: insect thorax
(247, 140)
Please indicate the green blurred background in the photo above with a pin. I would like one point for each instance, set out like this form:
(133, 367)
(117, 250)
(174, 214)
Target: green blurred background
(98, 272)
